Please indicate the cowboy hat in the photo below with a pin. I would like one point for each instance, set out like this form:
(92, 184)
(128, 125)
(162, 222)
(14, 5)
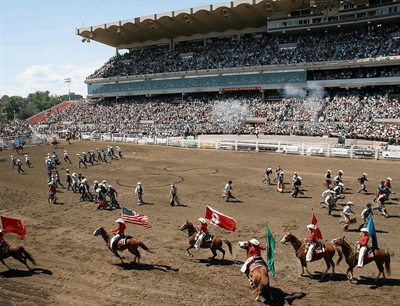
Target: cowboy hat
(172, 184)
(350, 203)
(119, 220)
(254, 242)
(328, 170)
(364, 229)
(139, 183)
(364, 174)
(389, 178)
(311, 226)
(341, 171)
(95, 181)
(202, 220)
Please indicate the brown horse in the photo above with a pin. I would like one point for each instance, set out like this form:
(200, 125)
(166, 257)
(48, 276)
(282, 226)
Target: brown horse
(380, 256)
(19, 148)
(258, 273)
(215, 244)
(131, 245)
(16, 251)
(300, 252)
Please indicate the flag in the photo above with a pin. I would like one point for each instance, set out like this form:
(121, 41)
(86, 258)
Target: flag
(372, 232)
(220, 220)
(317, 231)
(270, 252)
(16, 226)
(132, 217)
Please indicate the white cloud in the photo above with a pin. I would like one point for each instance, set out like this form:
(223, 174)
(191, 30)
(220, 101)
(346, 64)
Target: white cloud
(51, 77)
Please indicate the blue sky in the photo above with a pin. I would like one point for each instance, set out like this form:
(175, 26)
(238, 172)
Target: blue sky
(39, 48)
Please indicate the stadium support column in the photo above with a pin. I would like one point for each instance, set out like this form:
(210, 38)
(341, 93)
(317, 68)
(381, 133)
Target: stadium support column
(68, 80)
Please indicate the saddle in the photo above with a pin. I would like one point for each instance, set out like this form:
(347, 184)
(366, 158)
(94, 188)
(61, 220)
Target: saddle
(370, 252)
(258, 262)
(319, 248)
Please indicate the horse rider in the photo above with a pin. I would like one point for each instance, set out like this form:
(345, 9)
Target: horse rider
(311, 241)
(254, 254)
(202, 232)
(338, 178)
(366, 214)
(268, 172)
(328, 178)
(362, 179)
(139, 190)
(227, 191)
(28, 161)
(119, 232)
(362, 246)
(347, 211)
(173, 195)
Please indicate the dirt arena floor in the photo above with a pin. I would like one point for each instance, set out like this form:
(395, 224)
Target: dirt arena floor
(76, 268)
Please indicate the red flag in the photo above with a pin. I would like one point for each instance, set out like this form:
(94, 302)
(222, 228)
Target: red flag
(220, 220)
(16, 226)
(317, 231)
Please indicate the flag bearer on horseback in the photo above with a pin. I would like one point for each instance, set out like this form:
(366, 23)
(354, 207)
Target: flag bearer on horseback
(119, 232)
(311, 241)
(362, 246)
(254, 254)
(203, 232)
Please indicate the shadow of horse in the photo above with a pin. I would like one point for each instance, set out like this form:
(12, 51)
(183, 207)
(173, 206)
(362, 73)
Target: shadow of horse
(282, 298)
(24, 273)
(216, 262)
(146, 267)
(392, 282)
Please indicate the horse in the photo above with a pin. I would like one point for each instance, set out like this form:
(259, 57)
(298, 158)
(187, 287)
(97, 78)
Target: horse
(300, 252)
(258, 273)
(215, 244)
(54, 142)
(131, 244)
(380, 256)
(16, 251)
(19, 148)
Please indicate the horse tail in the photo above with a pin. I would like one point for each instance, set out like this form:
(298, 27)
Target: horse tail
(27, 255)
(144, 247)
(340, 253)
(387, 264)
(228, 243)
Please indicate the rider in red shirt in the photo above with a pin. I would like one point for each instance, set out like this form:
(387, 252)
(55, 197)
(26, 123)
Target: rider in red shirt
(253, 253)
(363, 245)
(311, 240)
(119, 231)
(203, 231)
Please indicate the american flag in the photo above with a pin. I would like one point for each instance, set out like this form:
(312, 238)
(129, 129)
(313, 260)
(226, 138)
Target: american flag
(130, 216)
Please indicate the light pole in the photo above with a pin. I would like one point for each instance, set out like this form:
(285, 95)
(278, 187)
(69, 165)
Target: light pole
(68, 80)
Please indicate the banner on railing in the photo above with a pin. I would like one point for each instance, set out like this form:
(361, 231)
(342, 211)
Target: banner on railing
(391, 154)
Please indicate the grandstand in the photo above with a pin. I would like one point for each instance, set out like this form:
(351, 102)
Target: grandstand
(285, 68)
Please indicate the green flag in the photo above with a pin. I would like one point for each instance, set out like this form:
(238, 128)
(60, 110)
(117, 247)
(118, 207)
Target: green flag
(270, 252)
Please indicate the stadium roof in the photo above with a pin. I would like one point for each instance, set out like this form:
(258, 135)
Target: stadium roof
(218, 18)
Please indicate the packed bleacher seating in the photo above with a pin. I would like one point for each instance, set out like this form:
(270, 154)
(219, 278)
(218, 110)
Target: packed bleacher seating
(256, 50)
(346, 111)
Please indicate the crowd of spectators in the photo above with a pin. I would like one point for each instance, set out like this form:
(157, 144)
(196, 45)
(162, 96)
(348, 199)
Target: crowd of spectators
(255, 50)
(13, 128)
(349, 112)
